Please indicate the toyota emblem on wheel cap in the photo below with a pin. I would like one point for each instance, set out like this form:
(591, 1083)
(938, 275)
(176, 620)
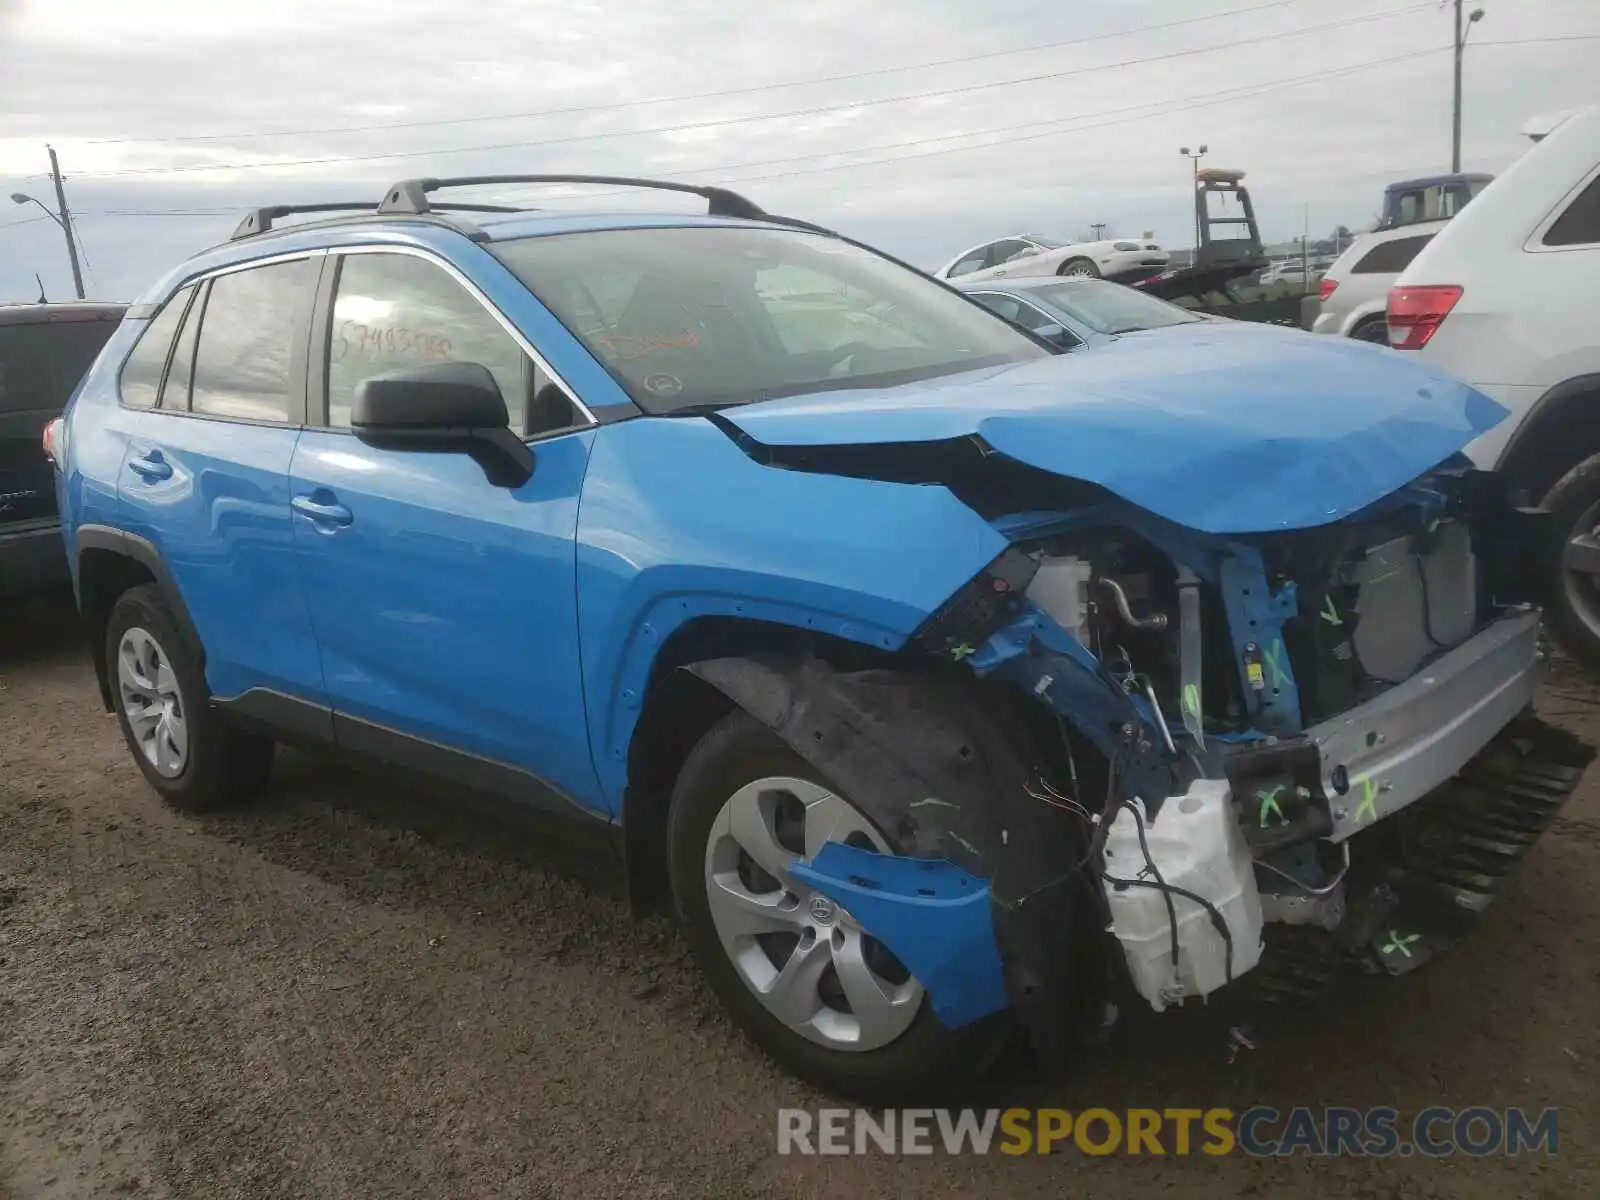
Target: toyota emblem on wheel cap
(822, 910)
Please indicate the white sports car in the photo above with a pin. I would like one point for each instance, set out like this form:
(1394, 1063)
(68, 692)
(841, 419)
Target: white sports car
(1029, 254)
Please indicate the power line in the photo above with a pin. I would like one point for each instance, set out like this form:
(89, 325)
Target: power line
(1007, 132)
(720, 94)
(24, 221)
(964, 89)
(1008, 135)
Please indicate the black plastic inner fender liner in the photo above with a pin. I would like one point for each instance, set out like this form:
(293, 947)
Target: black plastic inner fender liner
(934, 761)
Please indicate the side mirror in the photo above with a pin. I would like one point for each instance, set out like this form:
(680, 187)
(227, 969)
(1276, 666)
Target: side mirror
(443, 407)
(1057, 336)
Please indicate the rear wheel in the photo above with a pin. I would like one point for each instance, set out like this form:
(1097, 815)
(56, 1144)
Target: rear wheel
(1374, 329)
(795, 970)
(1573, 617)
(1079, 268)
(182, 745)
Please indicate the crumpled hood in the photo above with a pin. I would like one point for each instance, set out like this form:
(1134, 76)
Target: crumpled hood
(1221, 427)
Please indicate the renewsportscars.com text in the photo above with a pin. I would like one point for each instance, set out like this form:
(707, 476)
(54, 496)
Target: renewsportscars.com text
(1260, 1132)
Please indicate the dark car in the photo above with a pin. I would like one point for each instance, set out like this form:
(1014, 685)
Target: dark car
(45, 350)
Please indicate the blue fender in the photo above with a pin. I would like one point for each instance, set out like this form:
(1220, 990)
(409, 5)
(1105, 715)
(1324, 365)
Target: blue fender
(678, 523)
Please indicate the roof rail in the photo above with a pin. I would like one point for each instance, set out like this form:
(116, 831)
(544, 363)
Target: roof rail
(411, 195)
(260, 220)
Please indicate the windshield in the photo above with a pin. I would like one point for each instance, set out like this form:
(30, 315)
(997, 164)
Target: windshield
(703, 315)
(1112, 308)
(1047, 243)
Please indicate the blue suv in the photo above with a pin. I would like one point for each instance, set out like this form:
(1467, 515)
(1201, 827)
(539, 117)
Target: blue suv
(951, 687)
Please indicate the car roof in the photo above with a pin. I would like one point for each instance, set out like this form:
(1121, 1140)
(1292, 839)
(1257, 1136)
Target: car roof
(440, 233)
(42, 314)
(410, 215)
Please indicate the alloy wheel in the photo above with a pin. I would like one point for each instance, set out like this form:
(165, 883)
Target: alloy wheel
(152, 702)
(803, 955)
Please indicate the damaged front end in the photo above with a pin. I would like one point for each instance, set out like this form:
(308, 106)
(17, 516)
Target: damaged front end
(1244, 756)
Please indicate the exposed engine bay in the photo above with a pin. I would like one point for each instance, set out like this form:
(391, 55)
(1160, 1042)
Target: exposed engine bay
(1194, 743)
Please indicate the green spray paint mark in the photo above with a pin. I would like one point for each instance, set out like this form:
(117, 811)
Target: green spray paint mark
(962, 842)
(932, 802)
(1269, 805)
(1369, 794)
(1270, 655)
(1330, 614)
(1402, 944)
(961, 651)
(1191, 699)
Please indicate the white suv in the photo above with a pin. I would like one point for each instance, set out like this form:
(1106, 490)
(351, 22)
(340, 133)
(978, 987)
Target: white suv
(1507, 297)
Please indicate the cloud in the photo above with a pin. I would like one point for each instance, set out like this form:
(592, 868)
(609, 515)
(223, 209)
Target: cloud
(178, 84)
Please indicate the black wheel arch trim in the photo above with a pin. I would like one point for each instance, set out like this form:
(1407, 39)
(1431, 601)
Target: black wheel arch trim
(1519, 457)
(144, 552)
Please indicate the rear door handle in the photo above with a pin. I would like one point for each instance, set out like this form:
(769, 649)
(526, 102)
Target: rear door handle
(326, 514)
(150, 466)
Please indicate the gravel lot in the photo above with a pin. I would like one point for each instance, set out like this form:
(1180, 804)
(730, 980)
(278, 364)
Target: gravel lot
(337, 992)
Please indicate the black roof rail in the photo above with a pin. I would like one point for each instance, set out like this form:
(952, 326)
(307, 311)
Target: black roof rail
(411, 195)
(260, 220)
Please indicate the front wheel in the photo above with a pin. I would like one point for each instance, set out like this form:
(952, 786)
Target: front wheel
(1079, 268)
(796, 972)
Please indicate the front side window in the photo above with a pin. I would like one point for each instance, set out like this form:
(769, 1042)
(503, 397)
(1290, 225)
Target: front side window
(393, 311)
(247, 334)
(1026, 315)
(715, 315)
(1004, 252)
(1112, 308)
(140, 381)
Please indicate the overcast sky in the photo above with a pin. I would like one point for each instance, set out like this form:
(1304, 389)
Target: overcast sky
(1048, 123)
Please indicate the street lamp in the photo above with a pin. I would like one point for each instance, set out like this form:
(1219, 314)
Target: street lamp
(1463, 27)
(72, 249)
(1194, 158)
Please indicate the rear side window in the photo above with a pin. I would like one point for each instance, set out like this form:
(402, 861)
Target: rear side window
(140, 382)
(1391, 258)
(247, 336)
(1580, 224)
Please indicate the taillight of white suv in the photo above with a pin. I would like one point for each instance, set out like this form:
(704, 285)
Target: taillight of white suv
(55, 441)
(1417, 310)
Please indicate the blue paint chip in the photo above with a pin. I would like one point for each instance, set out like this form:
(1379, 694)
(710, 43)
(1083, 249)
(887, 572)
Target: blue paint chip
(930, 913)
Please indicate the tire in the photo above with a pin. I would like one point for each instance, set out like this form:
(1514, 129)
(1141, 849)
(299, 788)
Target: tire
(1573, 615)
(1082, 268)
(924, 1059)
(1374, 329)
(188, 754)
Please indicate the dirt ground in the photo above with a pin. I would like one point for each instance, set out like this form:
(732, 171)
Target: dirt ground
(311, 998)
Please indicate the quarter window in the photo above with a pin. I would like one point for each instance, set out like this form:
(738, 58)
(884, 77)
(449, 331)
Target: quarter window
(247, 336)
(140, 381)
(393, 311)
(1580, 224)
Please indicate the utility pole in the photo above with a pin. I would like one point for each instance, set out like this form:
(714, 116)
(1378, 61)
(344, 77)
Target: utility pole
(1194, 159)
(65, 221)
(1462, 29)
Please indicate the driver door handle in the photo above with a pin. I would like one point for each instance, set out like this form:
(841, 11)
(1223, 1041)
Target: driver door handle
(322, 511)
